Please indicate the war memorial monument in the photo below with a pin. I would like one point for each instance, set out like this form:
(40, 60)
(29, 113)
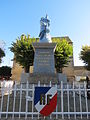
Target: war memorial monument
(44, 65)
(44, 50)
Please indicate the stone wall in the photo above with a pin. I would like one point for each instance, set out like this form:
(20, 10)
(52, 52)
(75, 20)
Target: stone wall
(16, 71)
(81, 71)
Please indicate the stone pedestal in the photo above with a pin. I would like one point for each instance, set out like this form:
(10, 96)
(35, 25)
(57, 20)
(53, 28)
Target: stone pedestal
(44, 58)
(44, 65)
(43, 78)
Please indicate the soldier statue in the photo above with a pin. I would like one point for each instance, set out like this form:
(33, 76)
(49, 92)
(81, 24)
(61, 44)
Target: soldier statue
(45, 30)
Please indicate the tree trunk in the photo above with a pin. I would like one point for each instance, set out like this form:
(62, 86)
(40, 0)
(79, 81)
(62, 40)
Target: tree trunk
(59, 70)
(26, 69)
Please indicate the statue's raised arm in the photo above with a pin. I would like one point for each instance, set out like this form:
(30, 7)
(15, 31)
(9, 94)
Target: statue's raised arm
(45, 30)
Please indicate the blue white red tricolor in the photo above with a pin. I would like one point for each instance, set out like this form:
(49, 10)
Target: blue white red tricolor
(45, 99)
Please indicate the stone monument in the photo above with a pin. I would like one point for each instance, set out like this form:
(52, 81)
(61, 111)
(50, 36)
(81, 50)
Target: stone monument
(44, 66)
(44, 50)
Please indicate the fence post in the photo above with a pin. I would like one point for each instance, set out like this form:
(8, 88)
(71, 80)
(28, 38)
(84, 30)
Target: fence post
(68, 100)
(38, 86)
(44, 86)
(86, 98)
(2, 94)
(14, 90)
(62, 99)
(20, 99)
(32, 99)
(80, 100)
(50, 86)
(8, 101)
(26, 100)
(74, 100)
(56, 106)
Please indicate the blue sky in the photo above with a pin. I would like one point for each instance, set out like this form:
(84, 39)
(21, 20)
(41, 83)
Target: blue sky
(68, 18)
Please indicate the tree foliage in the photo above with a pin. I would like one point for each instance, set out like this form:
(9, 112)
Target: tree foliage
(2, 54)
(23, 51)
(62, 54)
(5, 71)
(85, 56)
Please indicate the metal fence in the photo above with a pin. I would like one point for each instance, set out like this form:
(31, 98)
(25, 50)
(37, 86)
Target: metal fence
(72, 101)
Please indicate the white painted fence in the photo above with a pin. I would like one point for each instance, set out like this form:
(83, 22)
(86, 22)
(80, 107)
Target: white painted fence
(72, 101)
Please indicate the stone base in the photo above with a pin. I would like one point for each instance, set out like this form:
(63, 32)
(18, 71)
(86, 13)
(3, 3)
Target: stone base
(43, 78)
(62, 77)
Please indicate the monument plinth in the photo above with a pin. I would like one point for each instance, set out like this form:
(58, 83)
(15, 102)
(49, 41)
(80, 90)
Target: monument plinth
(44, 58)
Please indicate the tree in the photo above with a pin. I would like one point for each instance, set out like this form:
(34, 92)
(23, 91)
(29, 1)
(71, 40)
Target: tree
(23, 51)
(5, 72)
(85, 56)
(62, 54)
(2, 54)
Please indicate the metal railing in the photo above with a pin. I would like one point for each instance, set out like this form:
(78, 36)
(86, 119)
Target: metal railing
(72, 101)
